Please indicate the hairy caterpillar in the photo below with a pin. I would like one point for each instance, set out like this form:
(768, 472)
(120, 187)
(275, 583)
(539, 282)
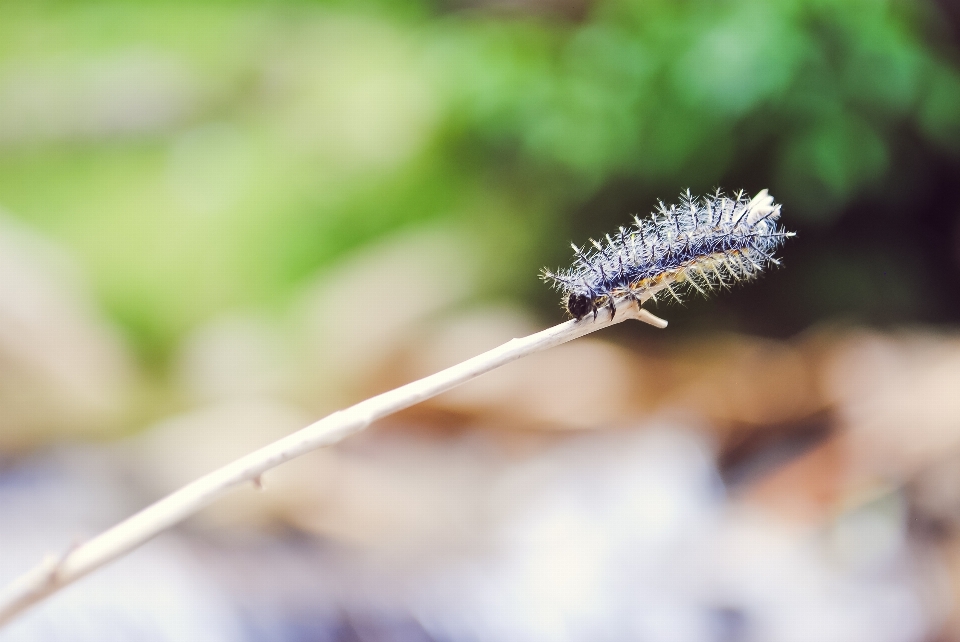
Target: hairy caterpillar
(699, 245)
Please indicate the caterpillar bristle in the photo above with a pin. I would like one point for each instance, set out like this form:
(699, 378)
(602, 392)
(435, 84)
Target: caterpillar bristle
(686, 247)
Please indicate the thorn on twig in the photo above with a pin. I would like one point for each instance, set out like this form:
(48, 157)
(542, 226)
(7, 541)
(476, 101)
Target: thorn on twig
(258, 482)
(648, 317)
(53, 562)
(51, 565)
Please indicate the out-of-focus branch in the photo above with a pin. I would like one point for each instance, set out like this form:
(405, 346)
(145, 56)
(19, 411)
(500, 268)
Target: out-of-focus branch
(57, 572)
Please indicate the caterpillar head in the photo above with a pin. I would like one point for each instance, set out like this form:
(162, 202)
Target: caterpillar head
(580, 305)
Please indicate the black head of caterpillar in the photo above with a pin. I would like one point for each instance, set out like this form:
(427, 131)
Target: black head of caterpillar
(699, 245)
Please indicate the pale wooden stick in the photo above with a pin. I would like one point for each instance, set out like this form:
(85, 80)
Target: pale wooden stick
(57, 572)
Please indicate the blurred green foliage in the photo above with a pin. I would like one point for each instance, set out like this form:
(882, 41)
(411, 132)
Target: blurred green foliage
(202, 157)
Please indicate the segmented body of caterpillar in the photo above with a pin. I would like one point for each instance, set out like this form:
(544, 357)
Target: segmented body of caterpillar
(700, 245)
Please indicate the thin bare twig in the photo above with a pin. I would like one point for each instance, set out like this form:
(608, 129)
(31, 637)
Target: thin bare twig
(58, 571)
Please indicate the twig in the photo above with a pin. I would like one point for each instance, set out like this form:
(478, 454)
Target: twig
(57, 572)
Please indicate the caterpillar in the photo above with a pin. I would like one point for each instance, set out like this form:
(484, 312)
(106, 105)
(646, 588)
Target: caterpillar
(700, 245)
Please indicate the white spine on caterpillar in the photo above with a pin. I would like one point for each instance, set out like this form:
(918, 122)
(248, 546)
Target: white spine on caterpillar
(700, 245)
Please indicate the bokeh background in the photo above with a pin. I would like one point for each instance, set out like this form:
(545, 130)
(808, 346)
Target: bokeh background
(221, 221)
